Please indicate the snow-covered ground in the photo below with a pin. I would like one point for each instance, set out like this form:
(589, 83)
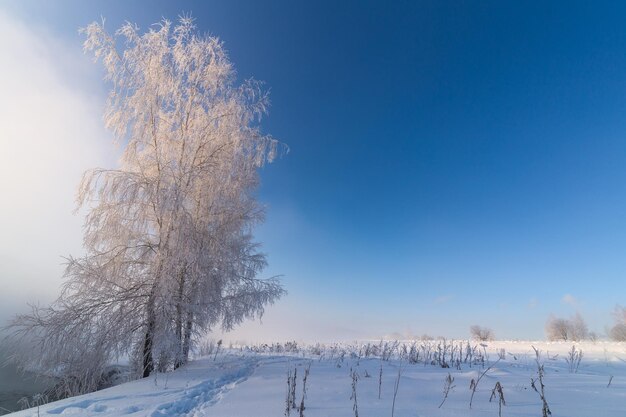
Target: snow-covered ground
(244, 382)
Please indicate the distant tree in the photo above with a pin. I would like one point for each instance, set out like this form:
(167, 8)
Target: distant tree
(618, 331)
(578, 328)
(481, 333)
(557, 329)
(168, 236)
(574, 328)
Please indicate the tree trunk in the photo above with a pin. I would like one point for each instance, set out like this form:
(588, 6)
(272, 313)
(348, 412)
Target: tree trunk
(179, 360)
(187, 339)
(180, 357)
(148, 361)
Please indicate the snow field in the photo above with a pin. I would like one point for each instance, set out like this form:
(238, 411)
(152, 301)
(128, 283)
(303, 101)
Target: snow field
(252, 381)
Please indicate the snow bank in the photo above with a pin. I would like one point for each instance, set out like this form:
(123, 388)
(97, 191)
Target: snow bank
(247, 383)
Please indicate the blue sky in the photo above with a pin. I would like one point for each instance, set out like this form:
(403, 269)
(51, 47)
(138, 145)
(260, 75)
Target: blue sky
(451, 163)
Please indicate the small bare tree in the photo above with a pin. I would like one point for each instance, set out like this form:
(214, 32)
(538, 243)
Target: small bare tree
(557, 329)
(578, 328)
(483, 334)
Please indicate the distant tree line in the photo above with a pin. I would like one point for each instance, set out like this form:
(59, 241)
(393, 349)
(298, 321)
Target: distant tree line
(573, 328)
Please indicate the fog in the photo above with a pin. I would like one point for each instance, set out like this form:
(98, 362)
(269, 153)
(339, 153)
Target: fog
(51, 131)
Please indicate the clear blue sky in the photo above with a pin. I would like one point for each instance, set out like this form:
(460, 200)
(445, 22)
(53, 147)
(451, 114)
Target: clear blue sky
(451, 163)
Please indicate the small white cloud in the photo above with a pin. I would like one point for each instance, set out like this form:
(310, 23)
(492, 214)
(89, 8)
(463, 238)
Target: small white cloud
(569, 299)
(533, 303)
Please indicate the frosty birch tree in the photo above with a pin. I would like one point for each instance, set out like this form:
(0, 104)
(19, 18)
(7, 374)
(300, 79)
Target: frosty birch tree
(168, 234)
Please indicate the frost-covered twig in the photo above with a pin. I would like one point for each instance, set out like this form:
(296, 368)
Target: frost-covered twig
(395, 389)
(304, 380)
(499, 394)
(474, 382)
(380, 379)
(355, 378)
(545, 409)
(447, 387)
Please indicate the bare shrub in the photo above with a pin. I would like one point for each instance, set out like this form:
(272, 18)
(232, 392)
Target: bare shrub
(36, 400)
(618, 331)
(573, 359)
(484, 334)
(573, 328)
(578, 328)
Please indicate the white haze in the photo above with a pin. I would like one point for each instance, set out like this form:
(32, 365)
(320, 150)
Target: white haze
(50, 132)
